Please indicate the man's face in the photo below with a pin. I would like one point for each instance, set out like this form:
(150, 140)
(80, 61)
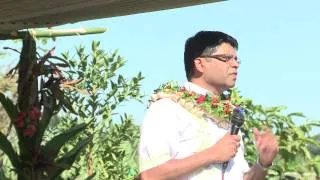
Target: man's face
(220, 68)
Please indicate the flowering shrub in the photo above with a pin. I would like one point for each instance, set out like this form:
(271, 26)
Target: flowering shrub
(40, 96)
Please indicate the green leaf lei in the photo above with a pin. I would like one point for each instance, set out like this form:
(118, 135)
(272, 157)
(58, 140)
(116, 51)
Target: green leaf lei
(214, 107)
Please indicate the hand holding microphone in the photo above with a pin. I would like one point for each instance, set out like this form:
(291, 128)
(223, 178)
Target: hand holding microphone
(227, 147)
(237, 120)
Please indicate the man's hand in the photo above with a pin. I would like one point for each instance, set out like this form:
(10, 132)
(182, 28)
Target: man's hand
(225, 149)
(222, 151)
(267, 146)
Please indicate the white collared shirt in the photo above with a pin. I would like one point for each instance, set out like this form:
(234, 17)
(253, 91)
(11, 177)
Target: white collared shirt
(169, 131)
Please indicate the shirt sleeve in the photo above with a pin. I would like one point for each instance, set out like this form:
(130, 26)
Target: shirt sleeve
(158, 134)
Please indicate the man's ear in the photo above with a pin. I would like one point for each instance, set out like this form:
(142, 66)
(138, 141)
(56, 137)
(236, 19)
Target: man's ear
(199, 65)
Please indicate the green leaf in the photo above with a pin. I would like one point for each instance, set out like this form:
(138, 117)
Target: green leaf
(2, 175)
(49, 106)
(306, 152)
(52, 148)
(294, 175)
(8, 105)
(60, 59)
(67, 160)
(296, 114)
(64, 100)
(313, 123)
(66, 103)
(7, 148)
(61, 65)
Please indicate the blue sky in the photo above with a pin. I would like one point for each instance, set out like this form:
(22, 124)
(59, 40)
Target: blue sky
(279, 45)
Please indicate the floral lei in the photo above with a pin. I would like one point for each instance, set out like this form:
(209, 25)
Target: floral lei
(217, 108)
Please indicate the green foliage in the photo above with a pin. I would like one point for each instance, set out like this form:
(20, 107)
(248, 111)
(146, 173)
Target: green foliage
(294, 160)
(39, 98)
(315, 150)
(52, 148)
(103, 143)
(9, 107)
(111, 153)
(2, 54)
(8, 87)
(7, 148)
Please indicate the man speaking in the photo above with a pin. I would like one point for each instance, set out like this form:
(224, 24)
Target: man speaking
(186, 133)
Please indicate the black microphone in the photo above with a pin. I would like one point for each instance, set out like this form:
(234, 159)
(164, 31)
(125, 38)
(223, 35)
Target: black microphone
(237, 120)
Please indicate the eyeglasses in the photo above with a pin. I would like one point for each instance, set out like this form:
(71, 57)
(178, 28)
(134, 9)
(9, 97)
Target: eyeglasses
(223, 57)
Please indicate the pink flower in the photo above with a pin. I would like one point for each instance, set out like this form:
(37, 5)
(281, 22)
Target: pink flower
(182, 89)
(201, 99)
(34, 114)
(30, 130)
(20, 120)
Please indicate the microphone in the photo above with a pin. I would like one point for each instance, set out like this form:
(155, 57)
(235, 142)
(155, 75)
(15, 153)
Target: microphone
(237, 120)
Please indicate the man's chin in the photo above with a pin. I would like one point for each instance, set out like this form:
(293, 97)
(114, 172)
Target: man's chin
(231, 85)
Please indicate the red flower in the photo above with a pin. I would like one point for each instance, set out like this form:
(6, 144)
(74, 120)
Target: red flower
(214, 101)
(227, 111)
(214, 105)
(30, 130)
(34, 114)
(20, 119)
(227, 108)
(201, 99)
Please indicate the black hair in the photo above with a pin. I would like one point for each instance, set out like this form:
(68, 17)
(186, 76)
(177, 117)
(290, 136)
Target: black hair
(202, 44)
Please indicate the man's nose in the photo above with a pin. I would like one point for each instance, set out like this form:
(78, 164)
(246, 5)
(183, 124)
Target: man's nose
(234, 63)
